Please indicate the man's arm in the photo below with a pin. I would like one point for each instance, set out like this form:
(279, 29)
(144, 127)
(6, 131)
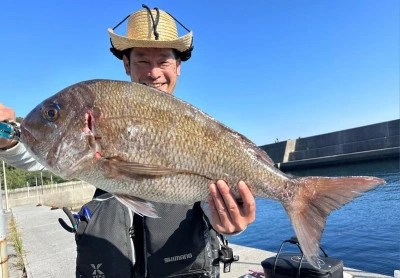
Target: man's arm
(227, 216)
(11, 151)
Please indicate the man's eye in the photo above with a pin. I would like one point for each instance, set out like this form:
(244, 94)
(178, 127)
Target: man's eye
(165, 63)
(142, 62)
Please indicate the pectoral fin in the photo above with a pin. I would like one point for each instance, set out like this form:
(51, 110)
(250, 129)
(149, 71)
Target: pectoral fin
(137, 205)
(117, 168)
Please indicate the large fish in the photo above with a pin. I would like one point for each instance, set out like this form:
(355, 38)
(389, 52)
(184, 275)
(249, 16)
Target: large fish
(143, 145)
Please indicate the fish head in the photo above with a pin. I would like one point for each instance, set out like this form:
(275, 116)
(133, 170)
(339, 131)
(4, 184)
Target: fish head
(57, 131)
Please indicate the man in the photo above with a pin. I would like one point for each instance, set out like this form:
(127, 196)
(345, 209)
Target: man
(152, 54)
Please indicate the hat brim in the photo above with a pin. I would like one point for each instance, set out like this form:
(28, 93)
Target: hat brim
(121, 43)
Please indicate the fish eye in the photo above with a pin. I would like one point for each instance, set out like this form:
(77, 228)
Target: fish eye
(51, 113)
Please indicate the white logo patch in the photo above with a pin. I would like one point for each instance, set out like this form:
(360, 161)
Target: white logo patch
(97, 273)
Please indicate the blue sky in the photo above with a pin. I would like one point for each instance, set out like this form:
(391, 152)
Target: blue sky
(268, 69)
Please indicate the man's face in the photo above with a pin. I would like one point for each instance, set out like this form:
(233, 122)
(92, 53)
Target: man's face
(155, 67)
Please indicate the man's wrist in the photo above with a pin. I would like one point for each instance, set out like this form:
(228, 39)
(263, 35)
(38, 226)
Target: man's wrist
(234, 233)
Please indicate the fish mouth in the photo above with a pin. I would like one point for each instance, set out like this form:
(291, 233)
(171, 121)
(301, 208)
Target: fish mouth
(28, 139)
(26, 136)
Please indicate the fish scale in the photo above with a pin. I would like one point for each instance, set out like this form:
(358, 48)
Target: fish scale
(144, 145)
(188, 136)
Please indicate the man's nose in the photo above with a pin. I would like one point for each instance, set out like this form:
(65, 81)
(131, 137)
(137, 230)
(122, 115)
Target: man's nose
(155, 72)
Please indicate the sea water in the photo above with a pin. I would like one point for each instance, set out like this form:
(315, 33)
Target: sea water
(365, 233)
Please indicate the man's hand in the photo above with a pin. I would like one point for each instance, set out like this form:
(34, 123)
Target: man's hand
(6, 113)
(227, 216)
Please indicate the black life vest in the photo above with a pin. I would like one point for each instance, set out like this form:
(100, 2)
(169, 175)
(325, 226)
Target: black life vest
(116, 243)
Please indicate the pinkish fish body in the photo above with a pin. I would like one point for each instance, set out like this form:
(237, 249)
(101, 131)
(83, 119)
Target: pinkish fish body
(143, 145)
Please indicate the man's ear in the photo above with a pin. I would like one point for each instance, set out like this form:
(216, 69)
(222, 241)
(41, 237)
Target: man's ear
(178, 67)
(127, 65)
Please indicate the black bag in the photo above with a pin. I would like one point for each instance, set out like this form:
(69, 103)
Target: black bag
(104, 248)
(285, 265)
(112, 242)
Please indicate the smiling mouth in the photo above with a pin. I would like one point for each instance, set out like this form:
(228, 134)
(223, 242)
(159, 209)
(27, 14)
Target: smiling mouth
(154, 85)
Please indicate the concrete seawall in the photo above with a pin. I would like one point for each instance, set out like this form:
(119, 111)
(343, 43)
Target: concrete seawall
(69, 194)
(371, 142)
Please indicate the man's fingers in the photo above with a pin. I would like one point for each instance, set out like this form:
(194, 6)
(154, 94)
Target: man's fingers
(217, 206)
(228, 199)
(228, 215)
(6, 113)
(248, 202)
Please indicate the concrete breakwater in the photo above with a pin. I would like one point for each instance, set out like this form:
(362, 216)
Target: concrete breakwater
(371, 142)
(70, 194)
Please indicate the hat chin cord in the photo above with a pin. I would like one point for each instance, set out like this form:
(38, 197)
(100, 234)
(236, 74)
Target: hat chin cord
(155, 22)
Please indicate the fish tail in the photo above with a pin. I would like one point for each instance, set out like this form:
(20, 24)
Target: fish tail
(315, 199)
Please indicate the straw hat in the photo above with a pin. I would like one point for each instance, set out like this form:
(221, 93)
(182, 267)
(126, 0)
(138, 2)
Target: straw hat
(142, 30)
